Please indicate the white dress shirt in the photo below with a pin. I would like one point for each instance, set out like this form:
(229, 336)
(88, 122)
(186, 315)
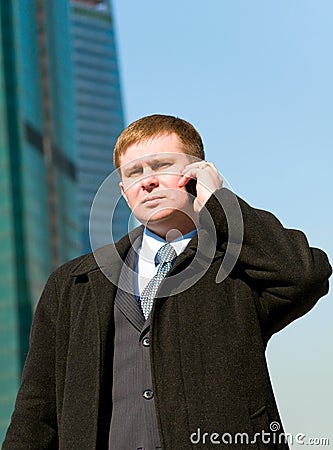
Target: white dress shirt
(151, 243)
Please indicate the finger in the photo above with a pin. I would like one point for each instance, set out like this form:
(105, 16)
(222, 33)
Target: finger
(194, 172)
(198, 171)
(200, 165)
(183, 181)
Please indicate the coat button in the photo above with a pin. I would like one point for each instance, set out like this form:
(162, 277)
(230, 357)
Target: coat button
(148, 394)
(146, 342)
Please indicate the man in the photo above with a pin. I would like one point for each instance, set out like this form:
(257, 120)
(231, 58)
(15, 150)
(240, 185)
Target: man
(154, 352)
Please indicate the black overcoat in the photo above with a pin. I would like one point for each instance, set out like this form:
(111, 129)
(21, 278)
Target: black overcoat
(207, 343)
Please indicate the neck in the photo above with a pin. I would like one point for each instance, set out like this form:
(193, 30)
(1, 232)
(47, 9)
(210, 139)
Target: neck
(171, 231)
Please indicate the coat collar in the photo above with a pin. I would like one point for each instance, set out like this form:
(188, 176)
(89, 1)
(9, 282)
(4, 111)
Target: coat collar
(109, 259)
(111, 255)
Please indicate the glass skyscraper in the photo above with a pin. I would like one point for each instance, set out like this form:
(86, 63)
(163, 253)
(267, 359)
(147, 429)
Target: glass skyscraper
(99, 112)
(60, 115)
(39, 224)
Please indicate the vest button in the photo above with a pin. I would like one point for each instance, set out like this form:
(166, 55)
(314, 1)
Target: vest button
(148, 394)
(146, 342)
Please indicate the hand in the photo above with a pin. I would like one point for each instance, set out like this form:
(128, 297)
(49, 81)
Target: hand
(208, 180)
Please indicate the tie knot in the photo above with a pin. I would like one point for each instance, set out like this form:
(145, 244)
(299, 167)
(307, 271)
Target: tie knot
(166, 254)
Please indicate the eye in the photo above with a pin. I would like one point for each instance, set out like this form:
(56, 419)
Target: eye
(134, 172)
(162, 165)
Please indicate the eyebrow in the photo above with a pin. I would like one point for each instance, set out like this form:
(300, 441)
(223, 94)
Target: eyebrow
(151, 162)
(130, 167)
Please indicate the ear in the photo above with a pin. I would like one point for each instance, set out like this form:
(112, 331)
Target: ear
(122, 190)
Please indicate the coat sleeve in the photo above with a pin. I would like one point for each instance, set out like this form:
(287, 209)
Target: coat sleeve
(34, 422)
(286, 275)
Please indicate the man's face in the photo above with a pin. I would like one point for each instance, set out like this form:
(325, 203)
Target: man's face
(150, 172)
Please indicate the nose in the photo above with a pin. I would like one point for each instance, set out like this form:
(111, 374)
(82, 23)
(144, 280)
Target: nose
(149, 180)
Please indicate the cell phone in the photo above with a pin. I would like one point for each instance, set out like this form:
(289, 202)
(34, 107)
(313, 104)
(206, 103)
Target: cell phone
(191, 187)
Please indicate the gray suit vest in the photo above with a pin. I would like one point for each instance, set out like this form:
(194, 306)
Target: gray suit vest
(133, 421)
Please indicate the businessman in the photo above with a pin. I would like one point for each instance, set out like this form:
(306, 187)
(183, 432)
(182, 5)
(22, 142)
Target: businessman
(146, 343)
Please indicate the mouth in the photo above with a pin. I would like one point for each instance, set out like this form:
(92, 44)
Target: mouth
(151, 199)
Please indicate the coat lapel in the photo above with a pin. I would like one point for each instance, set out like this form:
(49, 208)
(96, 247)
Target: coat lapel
(103, 268)
(125, 298)
(191, 264)
(96, 284)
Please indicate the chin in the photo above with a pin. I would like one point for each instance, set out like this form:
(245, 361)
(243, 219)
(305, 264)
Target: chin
(166, 214)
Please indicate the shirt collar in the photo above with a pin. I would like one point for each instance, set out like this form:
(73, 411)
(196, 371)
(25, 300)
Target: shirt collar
(151, 243)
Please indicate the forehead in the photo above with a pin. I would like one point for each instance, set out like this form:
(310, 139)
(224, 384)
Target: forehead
(151, 148)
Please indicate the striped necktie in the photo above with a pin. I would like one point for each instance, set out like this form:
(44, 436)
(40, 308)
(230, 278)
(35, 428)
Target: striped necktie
(165, 257)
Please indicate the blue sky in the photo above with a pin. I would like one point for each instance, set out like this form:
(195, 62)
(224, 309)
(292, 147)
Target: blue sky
(255, 78)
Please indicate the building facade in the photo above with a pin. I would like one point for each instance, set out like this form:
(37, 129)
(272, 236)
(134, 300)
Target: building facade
(39, 224)
(99, 117)
(60, 115)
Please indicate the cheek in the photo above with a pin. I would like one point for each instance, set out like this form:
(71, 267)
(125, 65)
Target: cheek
(132, 194)
(171, 181)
